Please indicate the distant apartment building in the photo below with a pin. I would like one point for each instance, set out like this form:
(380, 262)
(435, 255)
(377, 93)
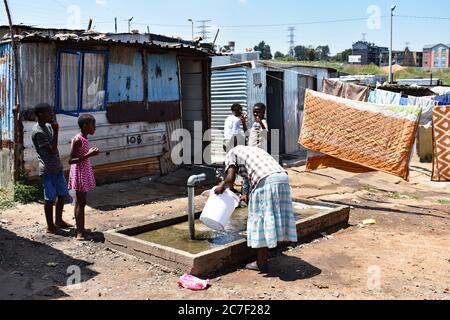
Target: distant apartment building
(408, 58)
(367, 53)
(436, 56)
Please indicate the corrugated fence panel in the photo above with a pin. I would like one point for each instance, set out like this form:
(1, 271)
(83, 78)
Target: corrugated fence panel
(257, 89)
(125, 80)
(37, 74)
(6, 117)
(227, 88)
(291, 112)
(6, 93)
(163, 84)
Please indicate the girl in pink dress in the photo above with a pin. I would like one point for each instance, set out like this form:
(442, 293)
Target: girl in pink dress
(81, 177)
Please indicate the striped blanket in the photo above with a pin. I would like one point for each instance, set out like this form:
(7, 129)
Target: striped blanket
(441, 143)
(363, 135)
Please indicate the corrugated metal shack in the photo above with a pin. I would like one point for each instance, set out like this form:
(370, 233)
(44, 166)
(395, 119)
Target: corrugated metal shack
(140, 88)
(281, 86)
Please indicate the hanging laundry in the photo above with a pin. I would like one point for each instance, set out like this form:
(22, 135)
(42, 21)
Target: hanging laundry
(379, 137)
(441, 143)
(333, 87)
(441, 90)
(387, 97)
(403, 101)
(427, 104)
(317, 160)
(345, 90)
(443, 100)
(372, 96)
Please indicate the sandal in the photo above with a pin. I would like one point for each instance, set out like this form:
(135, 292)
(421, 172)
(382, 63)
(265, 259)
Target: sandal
(254, 267)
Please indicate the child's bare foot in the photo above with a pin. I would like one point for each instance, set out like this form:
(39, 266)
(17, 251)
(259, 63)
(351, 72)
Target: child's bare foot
(56, 231)
(64, 225)
(83, 237)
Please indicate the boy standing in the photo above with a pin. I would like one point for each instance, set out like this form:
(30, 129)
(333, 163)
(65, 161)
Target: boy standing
(45, 140)
(259, 133)
(233, 135)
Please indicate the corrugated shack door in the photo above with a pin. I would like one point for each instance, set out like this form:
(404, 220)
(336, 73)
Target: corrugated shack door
(227, 88)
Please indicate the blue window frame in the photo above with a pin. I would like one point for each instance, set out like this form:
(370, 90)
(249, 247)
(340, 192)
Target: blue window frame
(81, 81)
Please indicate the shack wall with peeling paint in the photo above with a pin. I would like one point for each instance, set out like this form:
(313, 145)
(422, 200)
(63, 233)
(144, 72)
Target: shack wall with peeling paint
(163, 84)
(6, 116)
(125, 78)
(130, 149)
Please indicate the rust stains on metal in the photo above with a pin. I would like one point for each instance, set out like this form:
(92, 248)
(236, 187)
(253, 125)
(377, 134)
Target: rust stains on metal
(152, 112)
(6, 144)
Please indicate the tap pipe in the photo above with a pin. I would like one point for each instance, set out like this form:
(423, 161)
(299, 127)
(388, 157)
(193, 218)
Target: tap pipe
(193, 180)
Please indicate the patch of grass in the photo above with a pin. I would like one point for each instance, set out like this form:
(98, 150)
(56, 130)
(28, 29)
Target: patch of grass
(443, 201)
(402, 196)
(367, 188)
(6, 200)
(27, 193)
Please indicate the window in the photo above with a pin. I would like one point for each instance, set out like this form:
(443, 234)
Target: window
(81, 81)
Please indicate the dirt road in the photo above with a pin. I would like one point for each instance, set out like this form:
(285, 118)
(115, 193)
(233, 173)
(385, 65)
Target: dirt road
(405, 255)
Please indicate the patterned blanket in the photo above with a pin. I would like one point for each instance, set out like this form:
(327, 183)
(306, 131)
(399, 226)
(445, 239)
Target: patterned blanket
(441, 143)
(379, 137)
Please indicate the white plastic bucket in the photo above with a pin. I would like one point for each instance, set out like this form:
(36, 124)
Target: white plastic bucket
(219, 209)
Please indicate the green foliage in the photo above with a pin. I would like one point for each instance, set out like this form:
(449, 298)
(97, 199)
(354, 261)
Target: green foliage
(6, 200)
(343, 56)
(278, 55)
(265, 50)
(25, 193)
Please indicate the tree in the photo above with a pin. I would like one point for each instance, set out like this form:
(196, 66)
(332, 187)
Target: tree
(278, 55)
(264, 48)
(343, 56)
(311, 54)
(300, 52)
(323, 52)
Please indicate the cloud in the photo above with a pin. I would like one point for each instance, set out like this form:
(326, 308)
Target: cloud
(102, 3)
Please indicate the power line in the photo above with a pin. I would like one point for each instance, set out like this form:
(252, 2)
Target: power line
(423, 17)
(204, 33)
(298, 23)
(291, 40)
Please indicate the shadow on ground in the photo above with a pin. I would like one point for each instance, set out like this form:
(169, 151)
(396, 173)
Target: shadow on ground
(289, 269)
(31, 270)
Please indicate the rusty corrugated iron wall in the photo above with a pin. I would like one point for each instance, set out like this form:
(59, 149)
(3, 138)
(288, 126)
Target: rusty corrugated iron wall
(6, 116)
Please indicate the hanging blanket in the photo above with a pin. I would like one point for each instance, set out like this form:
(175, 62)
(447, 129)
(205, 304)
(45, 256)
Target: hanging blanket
(441, 143)
(379, 137)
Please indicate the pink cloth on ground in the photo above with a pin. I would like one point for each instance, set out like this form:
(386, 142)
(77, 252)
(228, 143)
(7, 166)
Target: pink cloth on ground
(188, 281)
(81, 176)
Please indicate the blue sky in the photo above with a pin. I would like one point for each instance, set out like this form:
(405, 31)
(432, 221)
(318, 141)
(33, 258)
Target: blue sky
(249, 21)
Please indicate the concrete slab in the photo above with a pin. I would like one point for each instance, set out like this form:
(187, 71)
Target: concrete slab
(224, 257)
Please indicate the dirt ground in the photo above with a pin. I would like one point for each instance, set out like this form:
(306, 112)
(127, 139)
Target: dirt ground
(405, 255)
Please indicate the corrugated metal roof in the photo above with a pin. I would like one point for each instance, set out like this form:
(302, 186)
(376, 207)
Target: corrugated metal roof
(270, 64)
(150, 40)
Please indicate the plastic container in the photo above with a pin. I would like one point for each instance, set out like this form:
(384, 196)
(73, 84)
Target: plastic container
(219, 209)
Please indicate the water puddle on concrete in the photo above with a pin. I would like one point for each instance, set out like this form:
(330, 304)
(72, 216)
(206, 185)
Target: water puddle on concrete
(177, 236)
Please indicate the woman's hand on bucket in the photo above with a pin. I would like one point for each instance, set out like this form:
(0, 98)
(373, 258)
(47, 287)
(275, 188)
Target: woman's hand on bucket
(220, 189)
(245, 198)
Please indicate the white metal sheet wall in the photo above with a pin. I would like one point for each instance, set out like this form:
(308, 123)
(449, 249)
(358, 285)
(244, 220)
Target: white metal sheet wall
(291, 112)
(227, 88)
